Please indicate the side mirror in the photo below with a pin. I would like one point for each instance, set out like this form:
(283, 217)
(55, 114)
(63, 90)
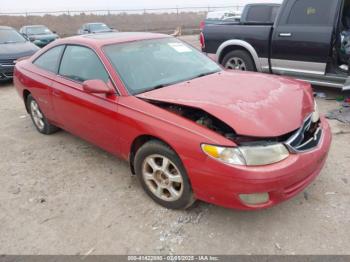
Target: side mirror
(97, 86)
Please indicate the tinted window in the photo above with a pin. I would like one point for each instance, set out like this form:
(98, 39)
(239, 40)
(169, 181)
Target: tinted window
(81, 64)
(310, 12)
(275, 11)
(50, 59)
(259, 13)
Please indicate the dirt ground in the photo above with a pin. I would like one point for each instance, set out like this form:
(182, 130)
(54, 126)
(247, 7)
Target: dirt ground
(61, 195)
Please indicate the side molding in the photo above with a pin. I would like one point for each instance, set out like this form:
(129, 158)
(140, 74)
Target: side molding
(244, 44)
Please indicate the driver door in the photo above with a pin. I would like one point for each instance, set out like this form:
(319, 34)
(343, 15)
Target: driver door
(302, 39)
(93, 117)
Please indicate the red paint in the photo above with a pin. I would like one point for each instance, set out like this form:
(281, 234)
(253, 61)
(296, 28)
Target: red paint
(276, 108)
(252, 104)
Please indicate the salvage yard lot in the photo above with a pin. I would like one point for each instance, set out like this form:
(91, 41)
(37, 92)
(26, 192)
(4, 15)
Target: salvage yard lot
(61, 195)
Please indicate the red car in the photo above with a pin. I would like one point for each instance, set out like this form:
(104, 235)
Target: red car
(189, 129)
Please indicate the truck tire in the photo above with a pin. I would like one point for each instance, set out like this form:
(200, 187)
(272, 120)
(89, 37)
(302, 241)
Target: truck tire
(239, 60)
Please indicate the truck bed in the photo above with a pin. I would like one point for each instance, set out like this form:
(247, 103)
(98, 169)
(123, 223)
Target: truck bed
(258, 35)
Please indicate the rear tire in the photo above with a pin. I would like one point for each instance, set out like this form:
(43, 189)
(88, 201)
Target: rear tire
(239, 60)
(163, 176)
(39, 120)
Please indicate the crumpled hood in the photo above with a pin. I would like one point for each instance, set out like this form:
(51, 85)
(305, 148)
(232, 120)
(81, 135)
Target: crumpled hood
(17, 50)
(253, 104)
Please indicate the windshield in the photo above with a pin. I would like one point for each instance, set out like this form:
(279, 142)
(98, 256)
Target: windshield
(99, 27)
(38, 30)
(8, 36)
(150, 64)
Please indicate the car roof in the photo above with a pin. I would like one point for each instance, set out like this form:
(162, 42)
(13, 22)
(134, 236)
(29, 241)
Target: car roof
(95, 23)
(6, 28)
(101, 39)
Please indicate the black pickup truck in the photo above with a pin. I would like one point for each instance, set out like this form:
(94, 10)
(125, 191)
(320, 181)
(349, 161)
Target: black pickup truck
(306, 41)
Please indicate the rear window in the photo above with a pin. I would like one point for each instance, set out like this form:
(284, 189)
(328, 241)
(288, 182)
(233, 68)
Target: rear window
(262, 13)
(38, 30)
(310, 12)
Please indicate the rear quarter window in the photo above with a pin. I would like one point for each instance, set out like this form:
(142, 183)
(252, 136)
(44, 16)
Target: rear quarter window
(50, 59)
(261, 14)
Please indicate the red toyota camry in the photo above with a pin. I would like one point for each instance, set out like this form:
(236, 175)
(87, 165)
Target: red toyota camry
(189, 129)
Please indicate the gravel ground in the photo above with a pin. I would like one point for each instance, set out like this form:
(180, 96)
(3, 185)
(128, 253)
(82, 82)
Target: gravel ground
(61, 195)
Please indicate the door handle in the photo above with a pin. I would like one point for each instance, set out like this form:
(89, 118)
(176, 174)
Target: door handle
(285, 34)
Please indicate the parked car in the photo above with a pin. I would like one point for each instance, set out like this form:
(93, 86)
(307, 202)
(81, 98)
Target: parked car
(13, 46)
(93, 28)
(303, 42)
(189, 129)
(39, 34)
(216, 17)
(258, 13)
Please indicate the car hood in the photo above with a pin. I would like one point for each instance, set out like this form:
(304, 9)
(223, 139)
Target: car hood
(253, 104)
(103, 31)
(17, 50)
(43, 37)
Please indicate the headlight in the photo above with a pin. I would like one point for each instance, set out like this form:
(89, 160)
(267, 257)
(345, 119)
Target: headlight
(248, 155)
(315, 114)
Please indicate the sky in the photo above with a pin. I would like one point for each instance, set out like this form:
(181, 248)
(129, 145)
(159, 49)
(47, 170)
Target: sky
(58, 5)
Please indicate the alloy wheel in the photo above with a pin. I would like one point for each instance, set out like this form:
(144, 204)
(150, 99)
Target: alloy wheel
(162, 177)
(236, 63)
(37, 115)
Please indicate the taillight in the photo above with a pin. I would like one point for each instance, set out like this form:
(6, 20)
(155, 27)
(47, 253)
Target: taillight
(202, 40)
(201, 25)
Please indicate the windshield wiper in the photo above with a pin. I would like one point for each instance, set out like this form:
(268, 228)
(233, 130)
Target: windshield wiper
(204, 74)
(158, 87)
(154, 88)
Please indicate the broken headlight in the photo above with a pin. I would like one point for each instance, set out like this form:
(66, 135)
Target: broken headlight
(248, 155)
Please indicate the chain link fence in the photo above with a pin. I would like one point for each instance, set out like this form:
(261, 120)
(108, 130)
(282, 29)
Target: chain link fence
(162, 20)
(172, 10)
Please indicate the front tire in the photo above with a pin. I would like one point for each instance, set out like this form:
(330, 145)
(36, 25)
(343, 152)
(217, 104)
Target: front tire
(39, 120)
(162, 176)
(239, 60)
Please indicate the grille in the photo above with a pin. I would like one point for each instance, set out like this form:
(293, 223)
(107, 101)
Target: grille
(306, 138)
(7, 62)
(8, 74)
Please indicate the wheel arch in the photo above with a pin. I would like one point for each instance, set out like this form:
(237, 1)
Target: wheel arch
(137, 143)
(26, 93)
(231, 45)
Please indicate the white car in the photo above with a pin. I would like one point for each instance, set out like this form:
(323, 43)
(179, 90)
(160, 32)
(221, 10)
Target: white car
(225, 15)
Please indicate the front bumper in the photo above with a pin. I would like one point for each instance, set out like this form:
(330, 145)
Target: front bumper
(221, 184)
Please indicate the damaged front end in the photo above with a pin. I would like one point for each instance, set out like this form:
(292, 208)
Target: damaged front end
(250, 151)
(200, 117)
